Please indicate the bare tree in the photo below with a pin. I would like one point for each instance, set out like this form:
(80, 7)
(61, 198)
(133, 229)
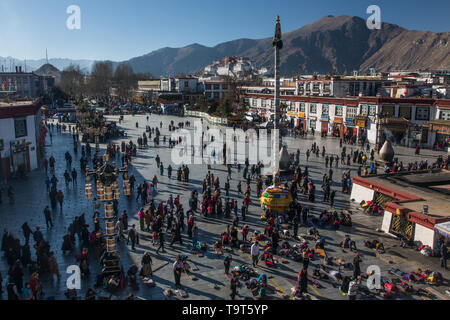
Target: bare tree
(125, 80)
(100, 79)
(235, 83)
(72, 81)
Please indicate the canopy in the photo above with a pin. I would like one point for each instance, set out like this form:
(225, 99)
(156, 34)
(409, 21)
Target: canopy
(276, 198)
(443, 228)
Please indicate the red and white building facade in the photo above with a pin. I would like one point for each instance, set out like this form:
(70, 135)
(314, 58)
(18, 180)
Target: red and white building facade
(22, 135)
(408, 119)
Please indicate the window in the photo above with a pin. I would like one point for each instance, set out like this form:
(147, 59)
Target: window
(325, 109)
(444, 115)
(302, 107)
(216, 87)
(372, 110)
(364, 109)
(388, 111)
(207, 86)
(316, 86)
(312, 124)
(422, 113)
(254, 102)
(339, 111)
(313, 108)
(404, 112)
(186, 84)
(224, 87)
(20, 126)
(351, 112)
(216, 95)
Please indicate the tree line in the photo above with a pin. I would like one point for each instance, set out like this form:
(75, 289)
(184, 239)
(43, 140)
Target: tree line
(76, 83)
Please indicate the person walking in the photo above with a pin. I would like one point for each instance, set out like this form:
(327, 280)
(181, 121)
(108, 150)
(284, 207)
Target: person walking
(161, 241)
(254, 251)
(234, 282)
(133, 236)
(146, 263)
(54, 267)
(227, 262)
(119, 230)
(48, 217)
(60, 196)
(356, 267)
(26, 232)
(302, 282)
(178, 267)
(194, 236)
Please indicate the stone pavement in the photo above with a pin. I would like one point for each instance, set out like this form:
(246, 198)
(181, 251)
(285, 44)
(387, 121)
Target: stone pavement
(31, 199)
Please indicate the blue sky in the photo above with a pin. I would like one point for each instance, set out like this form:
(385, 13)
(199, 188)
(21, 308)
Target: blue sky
(119, 30)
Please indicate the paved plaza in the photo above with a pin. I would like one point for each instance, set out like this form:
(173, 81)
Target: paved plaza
(32, 197)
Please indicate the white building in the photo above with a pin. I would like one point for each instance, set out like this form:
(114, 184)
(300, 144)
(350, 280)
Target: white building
(21, 137)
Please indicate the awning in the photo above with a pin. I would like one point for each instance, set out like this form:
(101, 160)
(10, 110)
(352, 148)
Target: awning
(443, 228)
(441, 126)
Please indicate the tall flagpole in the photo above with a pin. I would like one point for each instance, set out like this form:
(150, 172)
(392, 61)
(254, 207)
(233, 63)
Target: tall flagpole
(278, 45)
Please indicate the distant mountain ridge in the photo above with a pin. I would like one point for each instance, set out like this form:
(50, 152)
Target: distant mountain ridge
(342, 43)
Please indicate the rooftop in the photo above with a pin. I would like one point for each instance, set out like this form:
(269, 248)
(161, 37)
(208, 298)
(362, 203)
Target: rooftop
(15, 104)
(413, 190)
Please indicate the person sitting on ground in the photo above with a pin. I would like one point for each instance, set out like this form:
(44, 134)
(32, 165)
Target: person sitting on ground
(131, 273)
(113, 283)
(218, 248)
(375, 244)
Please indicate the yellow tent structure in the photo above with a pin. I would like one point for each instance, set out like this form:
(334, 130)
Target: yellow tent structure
(275, 198)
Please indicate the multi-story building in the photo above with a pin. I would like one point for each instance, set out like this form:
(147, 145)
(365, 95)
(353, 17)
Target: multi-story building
(340, 86)
(214, 88)
(21, 137)
(27, 85)
(405, 121)
(230, 66)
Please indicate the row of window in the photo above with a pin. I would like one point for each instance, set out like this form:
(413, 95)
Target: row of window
(422, 113)
(216, 87)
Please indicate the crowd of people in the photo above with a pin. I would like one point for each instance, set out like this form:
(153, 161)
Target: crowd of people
(167, 220)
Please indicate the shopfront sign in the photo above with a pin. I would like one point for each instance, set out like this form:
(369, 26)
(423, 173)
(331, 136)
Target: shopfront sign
(337, 120)
(324, 118)
(350, 122)
(302, 115)
(292, 114)
(360, 123)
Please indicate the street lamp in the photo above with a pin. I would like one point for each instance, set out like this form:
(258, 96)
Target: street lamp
(107, 191)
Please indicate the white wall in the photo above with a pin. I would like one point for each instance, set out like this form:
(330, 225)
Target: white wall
(360, 193)
(425, 235)
(7, 133)
(372, 132)
(386, 224)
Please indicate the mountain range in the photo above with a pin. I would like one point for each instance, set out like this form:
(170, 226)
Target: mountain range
(342, 44)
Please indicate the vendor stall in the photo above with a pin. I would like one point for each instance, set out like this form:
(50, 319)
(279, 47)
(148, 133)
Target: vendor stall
(443, 229)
